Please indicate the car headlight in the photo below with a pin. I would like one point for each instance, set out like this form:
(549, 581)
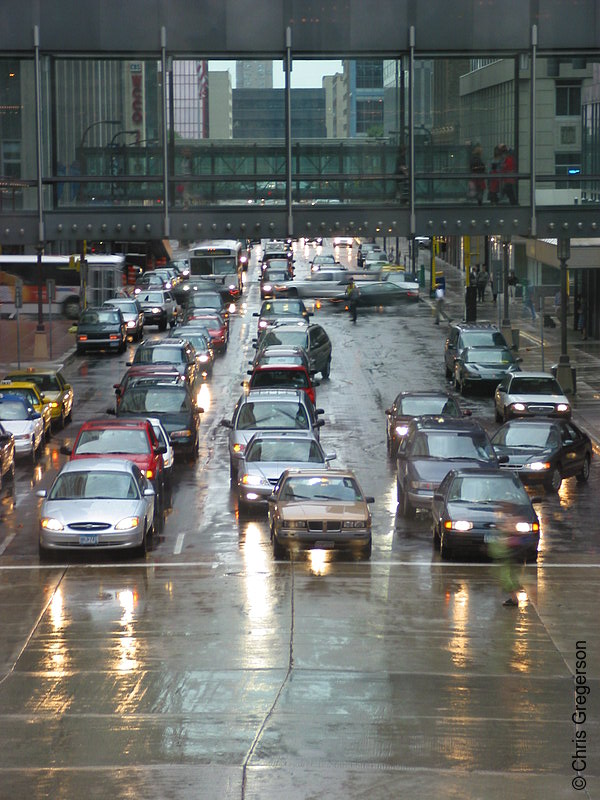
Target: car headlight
(54, 404)
(422, 485)
(131, 323)
(526, 527)
(232, 286)
(538, 466)
(401, 430)
(296, 523)
(562, 407)
(461, 525)
(519, 406)
(254, 480)
(203, 358)
(156, 310)
(267, 287)
(355, 523)
(182, 434)
(127, 524)
(262, 323)
(239, 448)
(186, 288)
(51, 524)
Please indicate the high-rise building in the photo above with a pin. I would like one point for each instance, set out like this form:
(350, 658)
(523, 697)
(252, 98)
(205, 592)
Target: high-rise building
(336, 106)
(254, 75)
(220, 104)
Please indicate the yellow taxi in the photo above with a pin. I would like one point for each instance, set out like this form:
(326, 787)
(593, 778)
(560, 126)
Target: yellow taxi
(52, 384)
(34, 397)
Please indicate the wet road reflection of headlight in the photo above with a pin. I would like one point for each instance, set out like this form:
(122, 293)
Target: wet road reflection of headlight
(204, 397)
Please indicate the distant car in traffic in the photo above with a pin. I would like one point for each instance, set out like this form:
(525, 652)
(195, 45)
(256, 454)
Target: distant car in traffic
(275, 282)
(312, 339)
(530, 394)
(475, 508)
(7, 454)
(470, 334)
(173, 352)
(132, 314)
(53, 385)
(159, 308)
(101, 327)
(282, 376)
(97, 504)
(280, 309)
(408, 405)
(24, 423)
(323, 509)
(267, 455)
(544, 451)
(483, 367)
(431, 448)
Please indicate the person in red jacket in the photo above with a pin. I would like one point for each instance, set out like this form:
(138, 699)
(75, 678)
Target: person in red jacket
(509, 165)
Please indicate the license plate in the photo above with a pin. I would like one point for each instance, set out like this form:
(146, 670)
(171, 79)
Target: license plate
(88, 538)
(324, 545)
(489, 537)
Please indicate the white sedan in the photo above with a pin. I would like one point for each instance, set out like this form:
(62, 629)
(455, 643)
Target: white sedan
(24, 422)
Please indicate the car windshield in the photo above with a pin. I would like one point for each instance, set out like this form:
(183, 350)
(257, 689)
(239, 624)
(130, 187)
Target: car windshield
(99, 317)
(26, 394)
(489, 355)
(540, 385)
(276, 275)
(321, 487)
(286, 450)
(293, 338)
(223, 266)
(482, 339)
(96, 485)
(159, 355)
(200, 300)
(141, 399)
(524, 435)
(417, 406)
(452, 445)
(297, 379)
(496, 489)
(197, 340)
(112, 440)
(282, 308)
(151, 297)
(271, 360)
(272, 415)
(11, 410)
(45, 382)
(127, 306)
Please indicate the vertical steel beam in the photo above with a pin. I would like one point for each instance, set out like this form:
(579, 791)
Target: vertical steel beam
(165, 133)
(411, 129)
(288, 129)
(38, 134)
(533, 131)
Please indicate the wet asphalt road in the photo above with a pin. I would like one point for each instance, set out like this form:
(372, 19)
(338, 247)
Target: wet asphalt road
(212, 671)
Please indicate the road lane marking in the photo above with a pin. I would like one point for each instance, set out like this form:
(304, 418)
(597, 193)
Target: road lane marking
(7, 542)
(178, 544)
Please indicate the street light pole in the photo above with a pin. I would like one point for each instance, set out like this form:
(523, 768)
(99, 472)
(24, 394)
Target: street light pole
(93, 125)
(506, 325)
(564, 373)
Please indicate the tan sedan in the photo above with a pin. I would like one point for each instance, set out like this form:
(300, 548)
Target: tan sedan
(321, 509)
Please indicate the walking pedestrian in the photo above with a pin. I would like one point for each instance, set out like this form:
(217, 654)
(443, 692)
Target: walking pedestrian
(494, 183)
(477, 183)
(439, 302)
(483, 278)
(352, 295)
(580, 316)
(508, 167)
(502, 553)
(512, 282)
(529, 304)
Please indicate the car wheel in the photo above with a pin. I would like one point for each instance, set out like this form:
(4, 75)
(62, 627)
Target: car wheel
(232, 474)
(279, 551)
(497, 415)
(531, 556)
(34, 452)
(446, 552)
(463, 387)
(398, 492)
(122, 346)
(143, 547)
(80, 351)
(326, 369)
(162, 326)
(366, 550)
(555, 481)
(585, 470)
(44, 554)
(448, 373)
(408, 510)
(436, 538)
(505, 415)
(62, 418)
(388, 442)
(243, 507)
(11, 471)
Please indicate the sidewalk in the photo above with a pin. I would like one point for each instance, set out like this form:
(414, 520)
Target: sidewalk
(584, 355)
(18, 342)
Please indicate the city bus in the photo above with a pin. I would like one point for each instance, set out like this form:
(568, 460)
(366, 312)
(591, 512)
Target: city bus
(105, 276)
(221, 262)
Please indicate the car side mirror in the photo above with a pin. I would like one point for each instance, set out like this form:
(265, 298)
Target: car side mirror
(330, 456)
(439, 498)
(160, 449)
(66, 450)
(503, 459)
(256, 314)
(369, 499)
(111, 411)
(226, 423)
(519, 359)
(467, 412)
(129, 363)
(319, 410)
(149, 492)
(41, 493)
(388, 411)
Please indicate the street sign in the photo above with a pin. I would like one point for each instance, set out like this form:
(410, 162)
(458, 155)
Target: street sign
(498, 275)
(51, 290)
(18, 295)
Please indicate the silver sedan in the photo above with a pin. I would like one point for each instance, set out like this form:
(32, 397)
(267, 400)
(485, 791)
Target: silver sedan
(97, 503)
(267, 455)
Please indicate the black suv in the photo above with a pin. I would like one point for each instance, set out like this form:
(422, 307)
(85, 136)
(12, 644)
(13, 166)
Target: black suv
(178, 353)
(470, 334)
(310, 338)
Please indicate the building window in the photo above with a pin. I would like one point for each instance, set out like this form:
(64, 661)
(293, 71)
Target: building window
(567, 164)
(369, 117)
(369, 74)
(568, 100)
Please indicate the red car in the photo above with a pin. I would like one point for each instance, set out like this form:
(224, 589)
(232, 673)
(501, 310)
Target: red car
(214, 324)
(132, 439)
(282, 376)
